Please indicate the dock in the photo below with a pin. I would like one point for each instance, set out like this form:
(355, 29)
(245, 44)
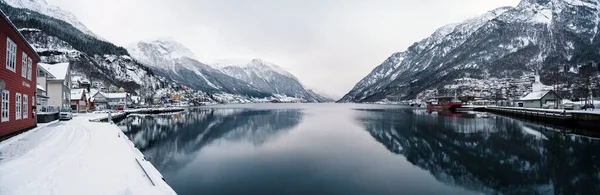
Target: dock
(120, 115)
(570, 118)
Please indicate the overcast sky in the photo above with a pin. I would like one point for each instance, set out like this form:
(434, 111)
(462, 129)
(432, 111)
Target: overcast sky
(328, 44)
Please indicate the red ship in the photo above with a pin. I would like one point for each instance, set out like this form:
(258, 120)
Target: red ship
(444, 103)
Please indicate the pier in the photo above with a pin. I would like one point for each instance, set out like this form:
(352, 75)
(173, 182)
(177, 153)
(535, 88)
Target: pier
(571, 118)
(118, 116)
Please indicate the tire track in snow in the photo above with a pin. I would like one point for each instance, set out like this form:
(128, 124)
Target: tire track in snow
(67, 141)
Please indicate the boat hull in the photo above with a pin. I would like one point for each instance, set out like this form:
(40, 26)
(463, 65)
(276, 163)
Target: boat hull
(452, 106)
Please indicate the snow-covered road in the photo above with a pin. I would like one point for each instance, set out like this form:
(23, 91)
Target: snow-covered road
(75, 157)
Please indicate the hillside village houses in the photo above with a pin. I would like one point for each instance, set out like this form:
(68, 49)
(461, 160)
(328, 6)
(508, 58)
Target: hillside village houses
(30, 90)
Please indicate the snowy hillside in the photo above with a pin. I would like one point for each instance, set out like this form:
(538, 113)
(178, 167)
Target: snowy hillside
(41, 6)
(100, 62)
(548, 37)
(172, 60)
(253, 78)
(267, 77)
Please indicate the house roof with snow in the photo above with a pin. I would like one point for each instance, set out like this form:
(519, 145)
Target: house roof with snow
(39, 87)
(536, 95)
(48, 74)
(77, 94)
(59, 71)
(115, 95)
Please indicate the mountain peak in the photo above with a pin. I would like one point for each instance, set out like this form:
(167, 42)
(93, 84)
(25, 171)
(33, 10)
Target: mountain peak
(165, 46)
(41, 6)
(256, 63)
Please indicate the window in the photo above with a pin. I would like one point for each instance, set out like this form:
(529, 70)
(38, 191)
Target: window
(18, 106)
(5, 109)
(24, 65)
(11, 55)
(29, 68)
(25, 106)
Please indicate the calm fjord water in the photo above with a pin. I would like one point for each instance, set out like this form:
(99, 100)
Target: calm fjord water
(361, 149)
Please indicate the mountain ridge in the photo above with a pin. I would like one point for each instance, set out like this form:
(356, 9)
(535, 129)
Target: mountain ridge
(506, 42)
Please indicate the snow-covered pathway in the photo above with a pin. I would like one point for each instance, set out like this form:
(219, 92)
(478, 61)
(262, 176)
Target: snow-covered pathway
(75, 157)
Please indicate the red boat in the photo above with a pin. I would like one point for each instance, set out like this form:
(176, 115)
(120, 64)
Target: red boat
(444, 103)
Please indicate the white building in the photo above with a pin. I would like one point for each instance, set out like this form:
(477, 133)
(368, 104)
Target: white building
(42, 85)
(103, 100)
(78, 100)
(116, 100)
(59, 86)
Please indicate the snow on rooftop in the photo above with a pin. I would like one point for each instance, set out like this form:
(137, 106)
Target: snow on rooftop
(76, 94)
(40, 88)
(115, 95)
(59, 70)
(535, 95)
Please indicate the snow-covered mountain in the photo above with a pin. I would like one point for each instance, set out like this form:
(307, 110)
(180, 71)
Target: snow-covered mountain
(267, 77)
(255, 78)
(538, 35)
(172, 60)
(59, 40)
(42, 7)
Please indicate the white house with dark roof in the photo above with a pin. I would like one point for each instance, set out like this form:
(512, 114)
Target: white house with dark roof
(59, 86)
(538, 99)
(540, 95)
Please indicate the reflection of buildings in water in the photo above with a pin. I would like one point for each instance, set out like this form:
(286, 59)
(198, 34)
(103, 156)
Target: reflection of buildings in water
(491, 155)
(168, 141)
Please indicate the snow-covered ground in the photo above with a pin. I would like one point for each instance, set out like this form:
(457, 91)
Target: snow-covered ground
(76, 157)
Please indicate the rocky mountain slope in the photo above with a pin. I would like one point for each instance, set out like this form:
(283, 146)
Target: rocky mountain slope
(267, 77)
(253, 78)
(544, 36)
(42, 7)
(172, 60)
(59, 37)
(101, 62)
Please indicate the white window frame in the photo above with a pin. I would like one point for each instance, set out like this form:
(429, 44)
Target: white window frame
(5, 104)
(29, 68)
(18, 105)
(24, 65)
(11, 55)
(25, 106)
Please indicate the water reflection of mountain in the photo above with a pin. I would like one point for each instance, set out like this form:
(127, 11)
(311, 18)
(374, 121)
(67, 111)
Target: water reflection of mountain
(169, 141)
(491, 155)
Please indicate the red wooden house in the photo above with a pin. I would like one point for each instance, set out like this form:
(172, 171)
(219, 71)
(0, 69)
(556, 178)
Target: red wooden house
(18, 71)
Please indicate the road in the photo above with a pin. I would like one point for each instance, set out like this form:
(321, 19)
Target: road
(75, 157)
